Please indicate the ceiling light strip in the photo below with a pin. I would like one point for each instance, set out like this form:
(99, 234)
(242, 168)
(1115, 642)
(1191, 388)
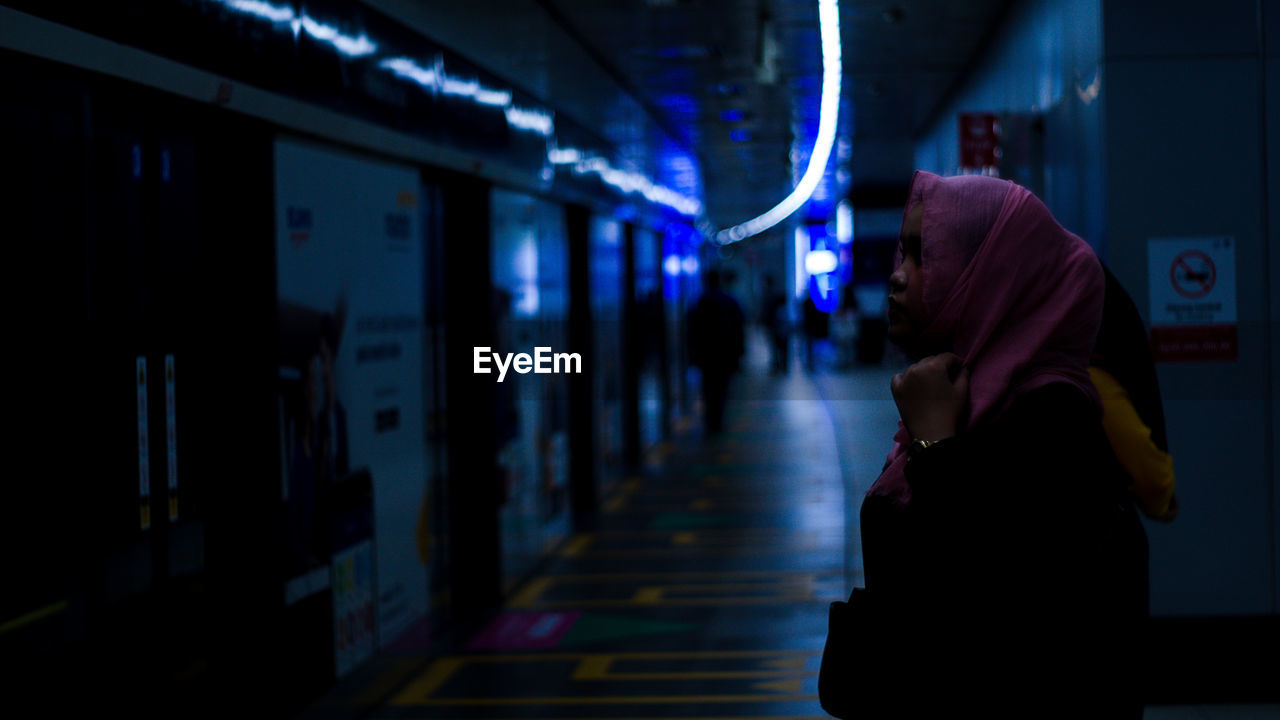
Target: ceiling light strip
(348, 45)
(829, 22)
(433, 78)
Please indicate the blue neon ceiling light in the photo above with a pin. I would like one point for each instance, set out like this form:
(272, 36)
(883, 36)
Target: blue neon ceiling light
(829, 22)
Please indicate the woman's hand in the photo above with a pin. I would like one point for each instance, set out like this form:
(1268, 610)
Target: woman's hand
(929, 400)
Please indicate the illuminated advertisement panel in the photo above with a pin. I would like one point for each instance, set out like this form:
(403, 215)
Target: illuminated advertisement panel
(349, 274)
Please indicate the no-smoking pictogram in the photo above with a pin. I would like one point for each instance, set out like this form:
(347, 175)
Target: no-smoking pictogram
(1193, 274)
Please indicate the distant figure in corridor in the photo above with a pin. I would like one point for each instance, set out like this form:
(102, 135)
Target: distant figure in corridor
(1005, 565)
(715, 346)
(817, 327)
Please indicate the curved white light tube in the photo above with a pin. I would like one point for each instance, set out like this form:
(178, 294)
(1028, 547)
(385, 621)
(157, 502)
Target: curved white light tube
(829, 22)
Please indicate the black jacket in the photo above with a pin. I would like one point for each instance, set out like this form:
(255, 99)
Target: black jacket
(1015, 581)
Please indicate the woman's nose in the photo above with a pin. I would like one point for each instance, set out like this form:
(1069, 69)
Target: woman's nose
(898, 280)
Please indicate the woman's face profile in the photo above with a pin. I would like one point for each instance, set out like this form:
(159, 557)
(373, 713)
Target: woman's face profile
(907, 317)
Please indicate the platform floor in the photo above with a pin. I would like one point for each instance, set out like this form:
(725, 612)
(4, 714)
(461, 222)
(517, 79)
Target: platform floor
(704, 591)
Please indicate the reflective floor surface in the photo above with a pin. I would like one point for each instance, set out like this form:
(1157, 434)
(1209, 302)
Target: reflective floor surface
(703, 593)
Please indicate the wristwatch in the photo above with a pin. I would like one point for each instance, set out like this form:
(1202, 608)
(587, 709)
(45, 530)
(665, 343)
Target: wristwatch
(917, 446)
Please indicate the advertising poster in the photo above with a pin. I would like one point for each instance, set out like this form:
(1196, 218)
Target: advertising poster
(530, 277)
(353, 624)
(349, 270)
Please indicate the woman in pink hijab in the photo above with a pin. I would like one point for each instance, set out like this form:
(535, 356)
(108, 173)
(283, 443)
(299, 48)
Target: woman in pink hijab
(1005, 566)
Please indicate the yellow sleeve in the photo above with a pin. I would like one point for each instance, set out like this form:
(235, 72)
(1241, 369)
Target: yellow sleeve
(1149, 466)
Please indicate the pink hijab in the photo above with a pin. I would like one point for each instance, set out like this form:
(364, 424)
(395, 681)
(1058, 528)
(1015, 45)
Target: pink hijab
(1020, 296)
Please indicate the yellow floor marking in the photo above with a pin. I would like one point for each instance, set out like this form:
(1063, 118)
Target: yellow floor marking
(33, 616)
(620, 498)
(724, 458)
(737, 505)
(647, 596)
(712, 654)
(787, 686)
(684, 538)
(700, 717)
(713, 481)
(386, 683)
(723, 534)
(686, 602)
(593, 667)
(788, 663)
(697, 551)
(619, 700)
(785, 586)
(442, 669)
(759, 494)
(598, 668)
(711, 675)
(618, 501)
(728, 534)
(658, 453)
(799, 542)
(615, 577)
(733, 587)
(762, 655)
(428, 682)
(530, 593)
(752, 531)
(578, 545)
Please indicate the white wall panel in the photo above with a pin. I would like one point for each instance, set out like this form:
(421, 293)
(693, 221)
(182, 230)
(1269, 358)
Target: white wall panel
(1184, 160)
(1170, 145)
(1142, 28)
(1046, 53)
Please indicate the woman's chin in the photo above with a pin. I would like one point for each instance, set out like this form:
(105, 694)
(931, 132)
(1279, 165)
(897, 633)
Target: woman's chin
(912, 344)
(901, 336)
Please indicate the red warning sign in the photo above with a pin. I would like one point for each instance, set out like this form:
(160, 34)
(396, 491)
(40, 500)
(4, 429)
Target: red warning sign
(1193, 298)
(1193, 274)
(1194, 342)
